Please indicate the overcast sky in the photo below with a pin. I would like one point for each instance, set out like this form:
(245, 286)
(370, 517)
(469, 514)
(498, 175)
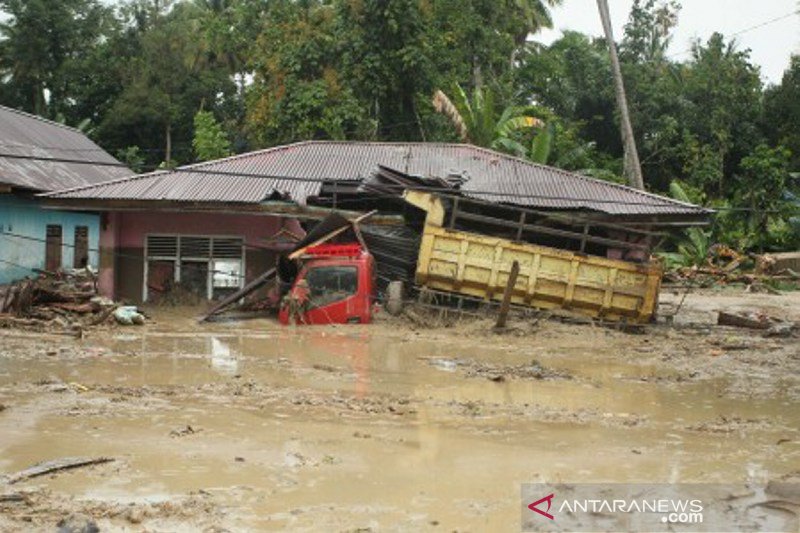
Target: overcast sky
(770, 45)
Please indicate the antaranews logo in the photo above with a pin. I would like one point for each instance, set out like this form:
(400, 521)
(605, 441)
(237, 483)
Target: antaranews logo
(534, 506)
(655, 508)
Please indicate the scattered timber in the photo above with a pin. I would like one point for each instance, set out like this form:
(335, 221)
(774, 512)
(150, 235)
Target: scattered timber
(751, 321)
(56, 465)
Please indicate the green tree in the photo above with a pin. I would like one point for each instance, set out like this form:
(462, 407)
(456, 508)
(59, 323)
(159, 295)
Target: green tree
(722, 90)
(164, 83)
(781, 121)
(209, 142)
(387, 60)
(762, 188)
(39, 40)
(299, 91)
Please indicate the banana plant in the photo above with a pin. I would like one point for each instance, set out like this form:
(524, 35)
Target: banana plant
(694, 244)
(476, 120)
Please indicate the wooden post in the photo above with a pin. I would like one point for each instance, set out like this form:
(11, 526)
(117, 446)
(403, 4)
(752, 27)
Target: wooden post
(454, 214)
(512, 281)
(583, 239)
(521, 226)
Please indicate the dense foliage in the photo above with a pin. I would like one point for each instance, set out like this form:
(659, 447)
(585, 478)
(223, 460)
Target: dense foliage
(164, 82)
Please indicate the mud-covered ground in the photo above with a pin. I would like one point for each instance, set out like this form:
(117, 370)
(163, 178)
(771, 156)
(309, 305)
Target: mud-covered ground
(247, 426)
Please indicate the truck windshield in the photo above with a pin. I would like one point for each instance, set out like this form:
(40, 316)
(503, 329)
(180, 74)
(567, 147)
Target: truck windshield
(330, 284)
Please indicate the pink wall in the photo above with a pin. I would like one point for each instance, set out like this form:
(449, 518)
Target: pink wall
(129, 229)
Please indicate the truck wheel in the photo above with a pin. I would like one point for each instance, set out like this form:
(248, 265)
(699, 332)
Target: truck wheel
(394, 298)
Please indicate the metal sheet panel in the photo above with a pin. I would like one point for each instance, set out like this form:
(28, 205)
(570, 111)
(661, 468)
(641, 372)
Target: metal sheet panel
(27, 135)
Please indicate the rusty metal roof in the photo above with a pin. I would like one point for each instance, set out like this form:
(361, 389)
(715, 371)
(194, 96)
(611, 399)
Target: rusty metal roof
(296, 171)
(24, 136)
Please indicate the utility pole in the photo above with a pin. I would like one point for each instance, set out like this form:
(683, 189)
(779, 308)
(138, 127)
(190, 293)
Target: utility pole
(632, 167)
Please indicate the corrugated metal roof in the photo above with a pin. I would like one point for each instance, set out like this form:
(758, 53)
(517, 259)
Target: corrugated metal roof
(256, 176)
(27, 135)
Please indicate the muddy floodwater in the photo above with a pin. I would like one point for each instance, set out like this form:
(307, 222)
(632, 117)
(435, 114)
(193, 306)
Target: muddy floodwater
(249, 426)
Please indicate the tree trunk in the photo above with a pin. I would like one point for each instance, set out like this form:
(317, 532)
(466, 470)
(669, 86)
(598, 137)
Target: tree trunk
(168, 154)
(633, 169)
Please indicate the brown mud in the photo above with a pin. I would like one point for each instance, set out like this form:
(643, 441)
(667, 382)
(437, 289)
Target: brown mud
(248, 426)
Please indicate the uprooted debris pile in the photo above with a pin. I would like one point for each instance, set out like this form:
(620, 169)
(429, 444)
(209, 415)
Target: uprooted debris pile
(725, 266)
(65, 301)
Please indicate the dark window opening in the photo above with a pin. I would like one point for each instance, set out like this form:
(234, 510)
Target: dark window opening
(81, 255)
(52, 248)
(194, 278)
(331, 284)
(160, 279)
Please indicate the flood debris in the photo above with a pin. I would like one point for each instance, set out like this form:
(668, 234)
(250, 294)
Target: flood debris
(61, 301)
(750, 320)
(77, 523)
(756, 320)
(128, 315)
(724, 266)
(497, 372)
(55, 465)
(184, 431)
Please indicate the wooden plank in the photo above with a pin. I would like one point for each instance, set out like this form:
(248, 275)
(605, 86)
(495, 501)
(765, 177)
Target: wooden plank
(241, 293)
(504, 306)
(297, 253)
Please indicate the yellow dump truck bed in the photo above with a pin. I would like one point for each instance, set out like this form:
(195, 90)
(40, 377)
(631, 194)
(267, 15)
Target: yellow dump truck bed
(478, 265)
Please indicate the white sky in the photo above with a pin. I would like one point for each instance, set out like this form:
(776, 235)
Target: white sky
(770, 45)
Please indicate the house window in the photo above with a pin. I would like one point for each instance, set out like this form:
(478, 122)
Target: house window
(52, 248)
(211, 267)
(81, 256)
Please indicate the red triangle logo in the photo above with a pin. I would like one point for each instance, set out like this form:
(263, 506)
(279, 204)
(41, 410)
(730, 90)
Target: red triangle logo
(546, 514)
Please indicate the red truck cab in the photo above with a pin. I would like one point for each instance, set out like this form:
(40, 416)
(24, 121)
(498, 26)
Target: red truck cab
(336, 285)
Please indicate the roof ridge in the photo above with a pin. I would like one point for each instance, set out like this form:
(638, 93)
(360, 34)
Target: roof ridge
(583, 176)
(42, 119)
(243, 155)
(134, 177)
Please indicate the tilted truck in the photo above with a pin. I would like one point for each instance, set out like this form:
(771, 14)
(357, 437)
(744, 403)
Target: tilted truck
(476, 265)
(336, 283)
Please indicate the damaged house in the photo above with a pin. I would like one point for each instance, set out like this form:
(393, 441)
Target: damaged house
(214, 226)
(37, 155)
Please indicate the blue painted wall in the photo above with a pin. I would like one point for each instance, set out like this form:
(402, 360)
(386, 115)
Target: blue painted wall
(23, 227)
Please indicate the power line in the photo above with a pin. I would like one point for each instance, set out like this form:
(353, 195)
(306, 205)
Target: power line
(745, 30)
